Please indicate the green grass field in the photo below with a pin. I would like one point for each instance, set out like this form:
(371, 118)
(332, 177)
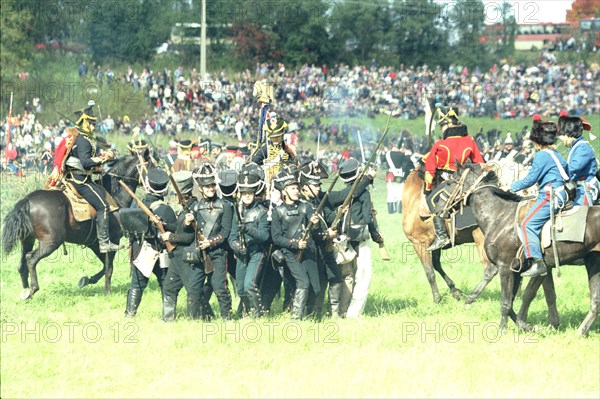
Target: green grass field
(67, 342)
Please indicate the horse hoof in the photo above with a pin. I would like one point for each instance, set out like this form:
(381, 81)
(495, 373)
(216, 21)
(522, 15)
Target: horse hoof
(83, 282)
(25, 294)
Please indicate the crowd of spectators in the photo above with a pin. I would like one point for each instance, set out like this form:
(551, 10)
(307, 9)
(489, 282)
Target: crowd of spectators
(221, 104)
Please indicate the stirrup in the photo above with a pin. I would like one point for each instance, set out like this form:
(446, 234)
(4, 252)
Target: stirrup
(517, 261)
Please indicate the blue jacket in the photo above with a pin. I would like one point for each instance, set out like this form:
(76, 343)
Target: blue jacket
(543, 171)
(582, 161)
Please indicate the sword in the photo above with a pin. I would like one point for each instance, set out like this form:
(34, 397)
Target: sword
(553, 233)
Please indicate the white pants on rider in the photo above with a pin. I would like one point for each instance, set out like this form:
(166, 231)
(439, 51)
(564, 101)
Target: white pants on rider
(363, 270)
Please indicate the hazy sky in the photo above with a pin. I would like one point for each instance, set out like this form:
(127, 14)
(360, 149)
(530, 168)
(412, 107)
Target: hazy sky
(532, 11)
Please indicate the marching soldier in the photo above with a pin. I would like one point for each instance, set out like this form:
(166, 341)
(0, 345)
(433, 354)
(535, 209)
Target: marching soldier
(214, 218)
(440, 163)
(180, 273)
(546, 170)
(289, 220)
(249, 239)
(155, 184)
(329, 271)
(82, 162)
(582, 163)
(359, 225)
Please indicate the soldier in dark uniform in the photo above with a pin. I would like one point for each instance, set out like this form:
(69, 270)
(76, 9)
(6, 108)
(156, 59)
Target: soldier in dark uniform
(329, 271)
(82, 162)
(440, 163)
(287, 227)
(155, 184)
(251, 253)
(180, 273)
(358, 225)
(214, 217)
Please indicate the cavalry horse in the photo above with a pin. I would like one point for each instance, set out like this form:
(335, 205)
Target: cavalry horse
(495, 211)
(420, 232)
(47, 216)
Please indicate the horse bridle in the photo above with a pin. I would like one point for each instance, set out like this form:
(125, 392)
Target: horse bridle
(459, 196)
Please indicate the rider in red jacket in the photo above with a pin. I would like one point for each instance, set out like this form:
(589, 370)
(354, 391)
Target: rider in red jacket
(455, 146)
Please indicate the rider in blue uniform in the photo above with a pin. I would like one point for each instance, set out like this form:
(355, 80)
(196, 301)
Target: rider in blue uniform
(582, 164)
(546, 172)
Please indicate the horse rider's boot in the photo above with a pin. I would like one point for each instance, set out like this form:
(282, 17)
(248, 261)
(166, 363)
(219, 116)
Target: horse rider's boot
(538, 268)
(104, 236)
(169, 305)
(335, 291)
(299, 302)
(134, 297)
(193, 308)
(441, 235)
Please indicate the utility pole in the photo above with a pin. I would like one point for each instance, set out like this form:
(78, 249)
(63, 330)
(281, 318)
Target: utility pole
(203, 42)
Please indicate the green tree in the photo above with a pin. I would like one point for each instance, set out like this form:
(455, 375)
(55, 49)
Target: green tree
(15, 45)
(301, 33)
(467, 34)
(418, 35)
(359, 29)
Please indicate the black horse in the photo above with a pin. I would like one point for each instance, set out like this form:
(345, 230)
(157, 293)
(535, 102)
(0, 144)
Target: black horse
(495, 211)
(46, 215)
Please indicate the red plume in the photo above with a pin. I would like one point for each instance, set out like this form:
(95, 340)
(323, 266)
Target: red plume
(537, 117)
(564, 113)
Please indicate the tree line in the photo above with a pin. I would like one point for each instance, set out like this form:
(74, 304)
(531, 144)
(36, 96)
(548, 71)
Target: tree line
(294, 32)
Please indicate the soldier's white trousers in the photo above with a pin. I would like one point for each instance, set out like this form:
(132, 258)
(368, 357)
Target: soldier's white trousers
(362, 280)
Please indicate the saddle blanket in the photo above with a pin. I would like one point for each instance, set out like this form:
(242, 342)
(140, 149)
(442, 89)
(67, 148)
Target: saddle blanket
(82, 210)
(570, 225)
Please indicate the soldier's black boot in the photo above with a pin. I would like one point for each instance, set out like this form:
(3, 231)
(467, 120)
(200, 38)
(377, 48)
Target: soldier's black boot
(193, 308)
(254, 306)
(334, 299)
(169, 305)
(104, 236)
(441, 235)
(299, 302)
(134, 297)
(538, 268)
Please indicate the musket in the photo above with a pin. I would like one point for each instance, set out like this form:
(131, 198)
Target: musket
(338, 214)
(382, 250)
(209, 266)
(317, 212)
(240, 224)
(208, 263)
(153, 218)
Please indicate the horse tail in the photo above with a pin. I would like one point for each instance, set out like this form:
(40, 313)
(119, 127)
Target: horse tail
(17, 225)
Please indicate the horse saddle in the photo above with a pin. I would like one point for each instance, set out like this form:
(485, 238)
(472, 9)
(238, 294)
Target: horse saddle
(570, 225)
(82, 210)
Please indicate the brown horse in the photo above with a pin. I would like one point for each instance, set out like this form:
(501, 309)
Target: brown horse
(420, 232)
(47, 216)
